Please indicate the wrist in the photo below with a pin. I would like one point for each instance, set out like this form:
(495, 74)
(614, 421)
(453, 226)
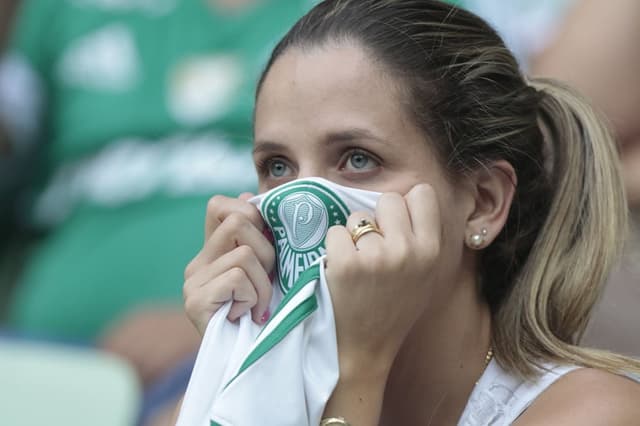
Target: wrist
(357, 398)
(367, 369)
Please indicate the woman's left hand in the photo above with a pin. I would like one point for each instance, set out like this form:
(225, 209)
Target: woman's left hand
(380, 285)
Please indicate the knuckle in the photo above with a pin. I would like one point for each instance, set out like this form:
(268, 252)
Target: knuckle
(400, 256)
(236, 275)
(245, 253)
(187, 288)
(214, 204)
(423, 190)
(191, 304)
(235, 220)
(252, 298)
(190, 269)
(379, 261)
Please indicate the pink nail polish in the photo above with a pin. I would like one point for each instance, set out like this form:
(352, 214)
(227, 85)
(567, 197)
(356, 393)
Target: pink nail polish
(265, 317)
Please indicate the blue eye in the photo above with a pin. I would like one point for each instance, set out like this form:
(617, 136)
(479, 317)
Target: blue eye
(278, 168)
(358, 161)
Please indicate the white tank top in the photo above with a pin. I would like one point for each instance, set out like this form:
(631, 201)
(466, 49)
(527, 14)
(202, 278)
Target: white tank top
(500, 398)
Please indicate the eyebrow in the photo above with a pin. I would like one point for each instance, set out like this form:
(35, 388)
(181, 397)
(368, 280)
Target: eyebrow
(268, 146)
(351, 135)
(341, 136)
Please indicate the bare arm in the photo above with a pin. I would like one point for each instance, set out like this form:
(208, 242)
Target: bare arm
(598, 52)
(586, 397)
(358, 395)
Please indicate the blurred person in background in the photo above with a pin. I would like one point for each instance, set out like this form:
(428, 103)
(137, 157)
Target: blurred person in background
(593, 46)
(596, 50)
(130, 113)
(7, 10)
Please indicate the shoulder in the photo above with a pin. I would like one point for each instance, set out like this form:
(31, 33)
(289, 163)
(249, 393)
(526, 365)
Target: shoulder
(586, 396)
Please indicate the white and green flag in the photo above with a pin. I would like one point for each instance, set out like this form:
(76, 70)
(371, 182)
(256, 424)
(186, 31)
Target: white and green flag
(284, 372)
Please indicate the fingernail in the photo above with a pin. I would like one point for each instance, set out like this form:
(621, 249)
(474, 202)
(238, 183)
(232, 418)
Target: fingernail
(265, 317)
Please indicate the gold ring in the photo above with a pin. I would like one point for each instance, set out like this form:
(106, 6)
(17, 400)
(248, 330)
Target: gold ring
(362, 228)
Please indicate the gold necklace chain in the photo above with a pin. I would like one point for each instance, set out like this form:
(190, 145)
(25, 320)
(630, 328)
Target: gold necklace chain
(488, 357)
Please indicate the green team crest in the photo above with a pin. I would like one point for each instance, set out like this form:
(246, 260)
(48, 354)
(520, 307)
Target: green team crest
(299, 215)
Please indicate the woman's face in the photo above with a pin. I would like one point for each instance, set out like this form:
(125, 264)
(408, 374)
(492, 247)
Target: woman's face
(331, 112)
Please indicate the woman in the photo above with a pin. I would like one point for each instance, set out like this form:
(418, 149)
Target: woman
(501, 214)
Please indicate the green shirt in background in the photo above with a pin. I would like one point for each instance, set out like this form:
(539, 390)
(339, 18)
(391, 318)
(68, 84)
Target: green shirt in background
(145, 113)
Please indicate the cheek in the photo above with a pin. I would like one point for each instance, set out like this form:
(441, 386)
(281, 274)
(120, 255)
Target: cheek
(453, 218)
(262, 186)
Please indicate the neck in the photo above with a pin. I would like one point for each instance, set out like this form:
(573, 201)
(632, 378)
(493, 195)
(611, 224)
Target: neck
(440, 362)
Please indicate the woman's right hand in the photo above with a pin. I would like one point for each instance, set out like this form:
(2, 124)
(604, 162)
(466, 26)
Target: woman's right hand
(233, 265)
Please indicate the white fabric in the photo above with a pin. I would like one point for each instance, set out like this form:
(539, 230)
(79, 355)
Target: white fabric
(500, 398)
(290, 383)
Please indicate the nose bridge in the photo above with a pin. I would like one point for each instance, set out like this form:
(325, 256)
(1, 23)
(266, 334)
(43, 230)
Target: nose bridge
(313, 165)
(311, 172)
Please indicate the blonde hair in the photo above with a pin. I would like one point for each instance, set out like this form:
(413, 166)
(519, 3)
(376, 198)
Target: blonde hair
(548, 308)
(544, 271)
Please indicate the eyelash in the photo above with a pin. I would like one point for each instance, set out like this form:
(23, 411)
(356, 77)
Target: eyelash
(263, 165)
(357, 151)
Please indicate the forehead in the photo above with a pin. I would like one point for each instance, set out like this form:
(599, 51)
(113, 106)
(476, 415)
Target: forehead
(329, 86)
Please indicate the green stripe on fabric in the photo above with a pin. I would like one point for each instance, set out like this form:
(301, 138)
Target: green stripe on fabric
(309, 274)
(214, 423)
(302, 311)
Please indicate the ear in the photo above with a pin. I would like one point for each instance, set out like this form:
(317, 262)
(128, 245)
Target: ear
(493, 188)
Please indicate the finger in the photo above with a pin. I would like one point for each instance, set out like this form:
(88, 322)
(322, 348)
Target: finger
(235, 231)
(220, 207)
(249, 263)
(393, 217)
(246, 196)
(340, 247)
(357, 220)
(242, 257)
(244, 297)
(422, 205)
(203, 302)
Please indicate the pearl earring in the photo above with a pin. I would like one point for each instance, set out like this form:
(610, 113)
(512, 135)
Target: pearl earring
(477, 240)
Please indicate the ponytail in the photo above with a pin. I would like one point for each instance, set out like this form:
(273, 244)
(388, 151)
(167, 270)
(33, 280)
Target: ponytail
(549, 305)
